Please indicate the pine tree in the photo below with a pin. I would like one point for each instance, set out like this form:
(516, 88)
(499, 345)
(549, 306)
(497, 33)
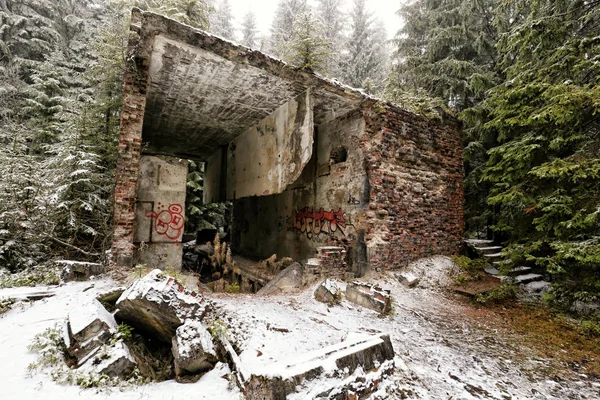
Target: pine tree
(366, 55)
(191, 12)
(249, 30)
(446, 47)
(307, 48)
(286, 14)
(545, 171)
(221, 21)
(332, 18)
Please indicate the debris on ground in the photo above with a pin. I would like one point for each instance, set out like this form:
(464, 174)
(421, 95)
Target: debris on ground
(193, 349)
(288, 280)
(369, 296)
(79, 270)
(159, 304)
(443, 345)
(276, 381)
(328, 292)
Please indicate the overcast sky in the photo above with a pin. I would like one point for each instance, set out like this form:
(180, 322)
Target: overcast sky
(385, 10)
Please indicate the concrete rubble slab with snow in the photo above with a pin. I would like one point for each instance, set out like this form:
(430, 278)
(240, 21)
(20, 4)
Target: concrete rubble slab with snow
(159, 304)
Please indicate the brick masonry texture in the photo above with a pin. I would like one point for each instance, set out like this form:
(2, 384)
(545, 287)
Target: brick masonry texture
(128, 163)
(416, 196)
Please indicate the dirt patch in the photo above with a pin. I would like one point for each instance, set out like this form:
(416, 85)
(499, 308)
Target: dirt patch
(482, 285)
(558, 343)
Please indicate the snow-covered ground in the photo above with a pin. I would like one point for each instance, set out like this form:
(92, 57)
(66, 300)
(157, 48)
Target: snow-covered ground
(440, 353)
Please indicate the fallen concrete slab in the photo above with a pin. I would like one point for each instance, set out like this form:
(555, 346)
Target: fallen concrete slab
(114, 361)
(88, 320)
(287, 280)
(79, 270)
(369, 296)
(193, 349)
(28, 293)
(276, 381)
(158, 304)
(89, 326)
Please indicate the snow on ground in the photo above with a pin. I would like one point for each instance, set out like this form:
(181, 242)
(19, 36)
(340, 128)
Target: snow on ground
(20, 325)
(440, 354)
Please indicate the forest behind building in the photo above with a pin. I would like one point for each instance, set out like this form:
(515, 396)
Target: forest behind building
(522, 77)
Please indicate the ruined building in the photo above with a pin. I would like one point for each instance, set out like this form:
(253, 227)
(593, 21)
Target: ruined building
(306, 162)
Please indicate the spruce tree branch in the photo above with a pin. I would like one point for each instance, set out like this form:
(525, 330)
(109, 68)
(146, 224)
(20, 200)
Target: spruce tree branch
(87, 253)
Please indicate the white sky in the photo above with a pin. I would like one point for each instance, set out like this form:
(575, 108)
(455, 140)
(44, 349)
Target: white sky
(385, 10)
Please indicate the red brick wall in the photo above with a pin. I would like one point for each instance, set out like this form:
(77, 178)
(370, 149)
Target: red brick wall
(416, 186)
(128, 163)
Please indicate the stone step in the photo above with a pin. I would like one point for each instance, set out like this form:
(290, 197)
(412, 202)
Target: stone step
(493, 257)
(489, 249)
(492, 271)
(478, 241)
(537, 286)
(519, 271)
(527, 278)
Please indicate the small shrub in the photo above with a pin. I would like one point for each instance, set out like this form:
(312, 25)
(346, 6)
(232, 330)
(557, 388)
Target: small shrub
(140, 270)
(124, 332)
(38, 275)
(233, 288)
(6, 304)
(504, 292)
(51, 348)
(590, 328)
(474, 268)
(218, 328)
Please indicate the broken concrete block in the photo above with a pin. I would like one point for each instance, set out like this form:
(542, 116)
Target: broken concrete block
(369, 296)
(114, 361)
(287, 280)
(89, 320)
(158, 304)
(79, 270)
(408, 279)
(328, 292)
(276, 381)
(193, 349)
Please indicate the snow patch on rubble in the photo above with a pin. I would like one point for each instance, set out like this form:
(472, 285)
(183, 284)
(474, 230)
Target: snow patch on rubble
(81, 316)
(192, 335)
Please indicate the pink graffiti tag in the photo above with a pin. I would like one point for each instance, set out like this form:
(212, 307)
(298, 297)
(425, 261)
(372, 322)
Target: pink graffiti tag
(315, 222)
(168, 222)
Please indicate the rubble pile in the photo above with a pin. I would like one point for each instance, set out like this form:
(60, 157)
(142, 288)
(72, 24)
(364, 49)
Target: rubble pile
(172, 320)
(159, 308)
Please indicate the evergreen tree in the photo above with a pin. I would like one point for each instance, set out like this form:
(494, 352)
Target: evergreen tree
(545, 171)
(447, 49)
(191, 12)
(331, 17)
(286, 13)
(249, 30)
(366, 55)
(446, 57)
(221, 21)
(307, 47)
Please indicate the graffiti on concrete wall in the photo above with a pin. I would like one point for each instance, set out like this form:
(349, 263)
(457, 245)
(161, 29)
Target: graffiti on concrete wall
(312, 222)
(168, 222)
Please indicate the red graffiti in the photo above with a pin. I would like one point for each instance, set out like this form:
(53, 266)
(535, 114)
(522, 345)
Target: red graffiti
(168, 222)
(316, 222)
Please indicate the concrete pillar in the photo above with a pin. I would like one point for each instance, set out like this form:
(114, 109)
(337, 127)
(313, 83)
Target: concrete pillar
(130, 145)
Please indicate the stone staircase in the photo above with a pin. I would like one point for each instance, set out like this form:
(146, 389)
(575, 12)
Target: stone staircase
(492, 253)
